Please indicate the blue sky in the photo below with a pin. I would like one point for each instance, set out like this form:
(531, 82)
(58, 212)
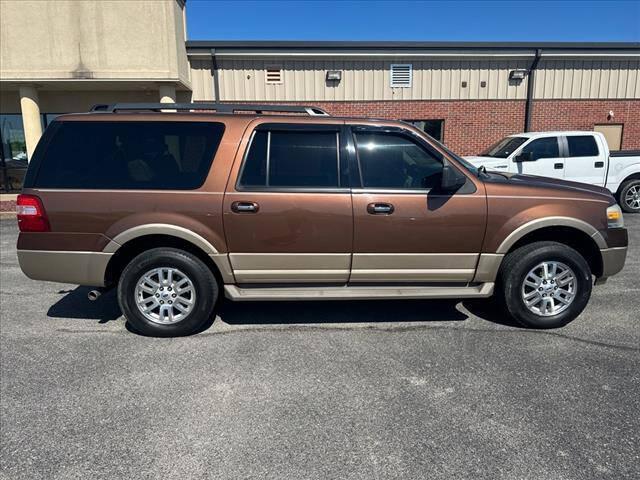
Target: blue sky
(570, 21)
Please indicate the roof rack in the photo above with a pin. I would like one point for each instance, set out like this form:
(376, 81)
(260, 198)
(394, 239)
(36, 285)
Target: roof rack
(217, 107)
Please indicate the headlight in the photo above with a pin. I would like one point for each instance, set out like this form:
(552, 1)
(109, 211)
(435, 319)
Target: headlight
(614, 217)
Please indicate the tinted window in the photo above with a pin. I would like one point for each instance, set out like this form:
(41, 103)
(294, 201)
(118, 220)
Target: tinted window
(128, 155)
(504, 147)
(543, 148)
(296, 159)
(389, 160)
(582, 146)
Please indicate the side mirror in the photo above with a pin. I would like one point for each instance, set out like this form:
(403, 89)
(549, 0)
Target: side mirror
(452, 179)
(524, 157)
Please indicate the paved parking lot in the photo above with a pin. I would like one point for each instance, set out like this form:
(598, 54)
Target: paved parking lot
(414, 389)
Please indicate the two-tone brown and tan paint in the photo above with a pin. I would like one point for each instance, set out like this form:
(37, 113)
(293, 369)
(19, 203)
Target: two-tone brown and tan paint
(305, 237)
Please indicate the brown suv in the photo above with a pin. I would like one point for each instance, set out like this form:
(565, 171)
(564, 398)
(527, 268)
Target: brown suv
(288, 203)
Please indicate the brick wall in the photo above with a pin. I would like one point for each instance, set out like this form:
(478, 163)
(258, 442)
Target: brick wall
(470, 126)
(584, 114)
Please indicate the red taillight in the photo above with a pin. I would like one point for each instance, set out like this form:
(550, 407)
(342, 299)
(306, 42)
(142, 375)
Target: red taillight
(31, 214)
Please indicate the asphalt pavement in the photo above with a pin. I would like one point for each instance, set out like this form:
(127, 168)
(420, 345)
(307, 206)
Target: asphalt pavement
(335, 390)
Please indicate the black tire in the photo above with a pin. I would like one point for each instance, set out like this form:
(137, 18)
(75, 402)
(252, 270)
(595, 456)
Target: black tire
(203, 280)
(517, 265)
(624, 190)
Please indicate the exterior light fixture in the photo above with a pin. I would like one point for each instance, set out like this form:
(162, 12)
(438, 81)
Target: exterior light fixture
(334, 75)
(518, 74)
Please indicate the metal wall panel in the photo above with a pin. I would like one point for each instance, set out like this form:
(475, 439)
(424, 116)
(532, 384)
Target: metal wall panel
(243, 79)
(588, 79)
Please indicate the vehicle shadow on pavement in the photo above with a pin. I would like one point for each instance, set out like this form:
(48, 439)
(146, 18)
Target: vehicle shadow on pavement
(350, 311)
(75, 304)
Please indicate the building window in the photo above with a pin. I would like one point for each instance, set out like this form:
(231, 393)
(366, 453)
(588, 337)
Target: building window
(433, 128)
(273, 75)
(13, 155)
(401, 75)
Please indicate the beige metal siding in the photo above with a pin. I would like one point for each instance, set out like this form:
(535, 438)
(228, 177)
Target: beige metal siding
(244, 80)
(588, 79)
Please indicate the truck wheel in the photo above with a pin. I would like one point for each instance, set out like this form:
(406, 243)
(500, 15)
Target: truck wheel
(630, 196)
(544, 284)
(167, 292)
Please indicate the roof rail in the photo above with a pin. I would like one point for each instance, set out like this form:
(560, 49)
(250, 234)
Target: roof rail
(218, 107)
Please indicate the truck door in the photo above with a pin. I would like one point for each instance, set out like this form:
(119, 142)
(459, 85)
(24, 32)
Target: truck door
(585, 161)
(288, 216)
(540, 156)
(405, 228)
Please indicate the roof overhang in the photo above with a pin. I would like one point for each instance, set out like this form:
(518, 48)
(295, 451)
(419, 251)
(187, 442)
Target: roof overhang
(291, 49)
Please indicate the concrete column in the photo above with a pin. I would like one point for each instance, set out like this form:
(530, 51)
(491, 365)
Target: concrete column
(30, 117)
(167, 94)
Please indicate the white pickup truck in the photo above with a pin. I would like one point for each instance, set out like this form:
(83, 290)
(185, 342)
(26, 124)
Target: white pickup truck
(576, 156)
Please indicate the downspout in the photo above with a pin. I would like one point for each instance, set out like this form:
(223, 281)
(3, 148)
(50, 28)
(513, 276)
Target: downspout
(528, 109)
(214, 75)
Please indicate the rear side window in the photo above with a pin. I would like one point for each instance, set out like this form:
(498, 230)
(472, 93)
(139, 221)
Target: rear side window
(543, 148)
(582, 146)
(128, 155)
(292, 159)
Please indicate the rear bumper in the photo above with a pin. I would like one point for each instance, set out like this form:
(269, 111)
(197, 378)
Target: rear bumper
(80, 268)
(612, 260)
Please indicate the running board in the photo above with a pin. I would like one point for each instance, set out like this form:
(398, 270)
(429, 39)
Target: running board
(358, 292)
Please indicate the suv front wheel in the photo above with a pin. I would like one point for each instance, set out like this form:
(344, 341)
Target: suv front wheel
(167, 292)
(545, 284)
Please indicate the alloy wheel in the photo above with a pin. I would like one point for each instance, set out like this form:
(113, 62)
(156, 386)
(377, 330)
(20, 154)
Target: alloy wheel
(549, 288)
(165, 295)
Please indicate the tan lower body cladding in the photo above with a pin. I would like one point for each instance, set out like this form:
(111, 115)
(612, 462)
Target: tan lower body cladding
(341, 267)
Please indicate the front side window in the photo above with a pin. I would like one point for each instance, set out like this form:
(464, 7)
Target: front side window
(292, 159)
(127, 155)
(395, 161)
(582, 146)
(543, 148)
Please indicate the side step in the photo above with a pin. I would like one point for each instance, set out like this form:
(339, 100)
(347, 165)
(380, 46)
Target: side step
(356, 292)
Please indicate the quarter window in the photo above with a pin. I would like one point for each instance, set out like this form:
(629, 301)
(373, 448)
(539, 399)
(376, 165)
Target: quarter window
(543, 148)
(582, 146)
(390, 160)
(127, 155)
(292, 159)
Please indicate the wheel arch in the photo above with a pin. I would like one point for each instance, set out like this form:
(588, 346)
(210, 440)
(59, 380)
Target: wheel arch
(148, 238)
(586, 245)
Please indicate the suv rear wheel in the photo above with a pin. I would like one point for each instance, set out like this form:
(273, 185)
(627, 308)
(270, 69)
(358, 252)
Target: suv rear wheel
(545, 284)
(167, 292)
(630, 196)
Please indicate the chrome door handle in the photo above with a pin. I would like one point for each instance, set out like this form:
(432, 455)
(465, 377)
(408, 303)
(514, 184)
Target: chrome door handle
(558, 166)
(244, 207)
(380, 208)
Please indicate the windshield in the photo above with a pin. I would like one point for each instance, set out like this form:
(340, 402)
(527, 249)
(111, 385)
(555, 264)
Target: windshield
(504, 147)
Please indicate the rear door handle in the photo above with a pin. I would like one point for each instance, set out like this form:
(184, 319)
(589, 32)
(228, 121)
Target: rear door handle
(244, 207)
(380, 208)
(558, 166)
(599, 165)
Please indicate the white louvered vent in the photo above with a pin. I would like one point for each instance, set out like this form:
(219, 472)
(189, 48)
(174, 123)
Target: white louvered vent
(401, 75)
(274, 74)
